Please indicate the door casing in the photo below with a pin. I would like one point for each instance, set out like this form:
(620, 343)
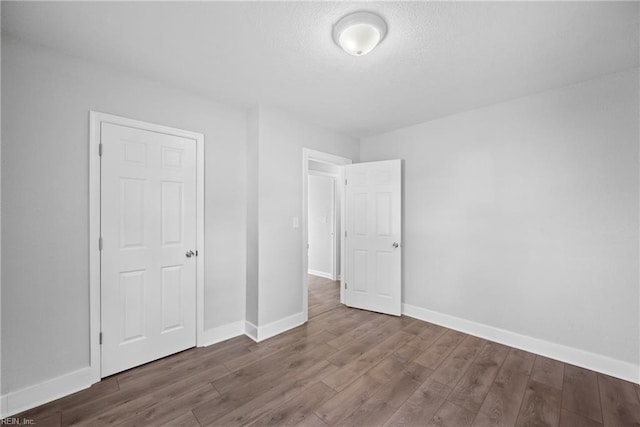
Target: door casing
(308, 154)
(95, 121)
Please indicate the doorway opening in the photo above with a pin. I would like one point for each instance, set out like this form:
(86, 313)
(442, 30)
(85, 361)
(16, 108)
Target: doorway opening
(323, 220)
(322, 242)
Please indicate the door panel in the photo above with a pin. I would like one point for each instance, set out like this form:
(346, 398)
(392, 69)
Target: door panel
(148, 223)
(132, 305)
(373, 230)
(172, 213)
(360, 270)
(132, 212)
(172, 316)
(384, 273)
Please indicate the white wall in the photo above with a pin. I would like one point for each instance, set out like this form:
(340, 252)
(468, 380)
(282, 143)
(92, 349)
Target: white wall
(524, 215)
(321, 218)
(46, 98)
(281, 140)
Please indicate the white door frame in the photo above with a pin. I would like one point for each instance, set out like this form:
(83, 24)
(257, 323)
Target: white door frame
(308, 154)
(95, 121)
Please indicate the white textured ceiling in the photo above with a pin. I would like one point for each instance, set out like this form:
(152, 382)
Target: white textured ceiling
(437, 59)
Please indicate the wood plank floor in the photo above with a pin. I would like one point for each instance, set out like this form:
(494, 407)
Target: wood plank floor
(349, 367)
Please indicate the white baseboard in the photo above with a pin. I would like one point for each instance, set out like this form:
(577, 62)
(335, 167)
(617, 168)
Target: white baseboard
(222, 333)
(320, 274)
(593, 361)
(29, 397)
(251, 330)
(274, 328)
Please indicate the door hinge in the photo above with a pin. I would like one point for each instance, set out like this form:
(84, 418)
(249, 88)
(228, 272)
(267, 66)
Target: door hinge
(345, 233)
(196, 253)
(100, 149)
(345, 182)
(345, 285)
(100, 338)
(100, 243)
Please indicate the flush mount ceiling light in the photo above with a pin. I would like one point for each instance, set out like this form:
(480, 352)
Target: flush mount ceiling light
(358, 33)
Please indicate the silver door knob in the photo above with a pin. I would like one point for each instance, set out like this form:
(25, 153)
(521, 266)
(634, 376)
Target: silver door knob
(189, 254)
(395, 244)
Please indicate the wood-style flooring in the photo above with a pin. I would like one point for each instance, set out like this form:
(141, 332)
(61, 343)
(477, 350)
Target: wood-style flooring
(348, 367)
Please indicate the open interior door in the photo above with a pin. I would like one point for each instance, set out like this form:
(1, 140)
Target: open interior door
(373, 227)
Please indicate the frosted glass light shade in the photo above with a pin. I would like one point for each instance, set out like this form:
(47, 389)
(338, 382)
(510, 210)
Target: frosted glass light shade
(360, 32)
(359, 39)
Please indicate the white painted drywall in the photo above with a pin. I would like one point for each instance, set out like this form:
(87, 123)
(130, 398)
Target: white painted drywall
(321, 213)
(524, 215)
(281, 140)
(46, 98)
